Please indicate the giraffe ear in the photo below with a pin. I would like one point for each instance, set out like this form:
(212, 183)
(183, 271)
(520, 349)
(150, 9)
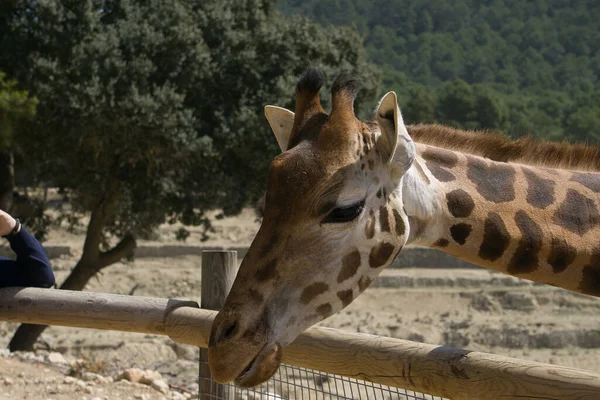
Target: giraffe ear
(395, 144)
(281, 121)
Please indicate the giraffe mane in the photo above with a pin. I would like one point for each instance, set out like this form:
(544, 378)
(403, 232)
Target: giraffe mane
(526, 150)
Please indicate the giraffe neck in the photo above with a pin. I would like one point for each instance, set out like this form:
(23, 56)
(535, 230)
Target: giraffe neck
(535, 223)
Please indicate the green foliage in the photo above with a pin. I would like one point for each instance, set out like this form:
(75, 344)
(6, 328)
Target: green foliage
(15, 105)
(420, 107)
(152, 111)
(520, 54)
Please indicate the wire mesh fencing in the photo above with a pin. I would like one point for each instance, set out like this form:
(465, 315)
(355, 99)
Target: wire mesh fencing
(296, 383)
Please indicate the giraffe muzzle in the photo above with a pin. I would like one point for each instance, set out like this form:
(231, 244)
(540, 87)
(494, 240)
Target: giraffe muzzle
(262, 367)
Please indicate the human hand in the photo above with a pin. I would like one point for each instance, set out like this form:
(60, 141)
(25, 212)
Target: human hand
(7, 223)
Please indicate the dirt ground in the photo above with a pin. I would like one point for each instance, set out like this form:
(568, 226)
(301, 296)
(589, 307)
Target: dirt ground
(457, 307)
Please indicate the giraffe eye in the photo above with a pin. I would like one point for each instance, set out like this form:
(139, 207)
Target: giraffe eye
(344, 214)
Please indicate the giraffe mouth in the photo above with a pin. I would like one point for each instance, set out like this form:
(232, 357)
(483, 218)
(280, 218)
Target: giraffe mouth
(262, 367)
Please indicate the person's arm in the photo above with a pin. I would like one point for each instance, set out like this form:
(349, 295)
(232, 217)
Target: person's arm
(32, 264)
(32, 267)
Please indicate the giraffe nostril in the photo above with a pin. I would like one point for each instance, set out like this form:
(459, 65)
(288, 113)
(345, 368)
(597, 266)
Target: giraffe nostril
(229, 331)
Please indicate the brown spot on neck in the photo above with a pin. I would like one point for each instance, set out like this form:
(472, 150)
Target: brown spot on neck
(460, 233)
(561, 255)
(399, 223)
(438, 161)
(345, 296)
(363, 283)
(311, 291)
(460, 203)
(590, 279)
(589, 180)
(540, 192)
(384, 219)
(525, 259)
(495, 238)
(441, 243)
(577, 213)
(350, 264)
(380, 254)
(324, 310)
(495, 182)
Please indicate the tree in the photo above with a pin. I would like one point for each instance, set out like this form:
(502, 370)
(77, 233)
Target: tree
(456, 104)
(491, 112)
(151, 111)
(584, 122)
(15, 106)
(424, 22)
(420, 107)
(511, 48)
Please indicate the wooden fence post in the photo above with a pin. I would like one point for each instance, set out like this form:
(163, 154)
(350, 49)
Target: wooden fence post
(219, 268)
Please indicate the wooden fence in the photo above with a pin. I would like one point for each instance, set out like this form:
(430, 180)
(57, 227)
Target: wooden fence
(436, 370)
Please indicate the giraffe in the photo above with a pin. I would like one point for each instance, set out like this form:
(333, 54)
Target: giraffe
(345, 196)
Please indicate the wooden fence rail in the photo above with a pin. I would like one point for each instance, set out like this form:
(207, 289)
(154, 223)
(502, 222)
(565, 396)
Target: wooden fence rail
(452, 373)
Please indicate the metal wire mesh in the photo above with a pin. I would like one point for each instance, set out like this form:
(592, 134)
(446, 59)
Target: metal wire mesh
(296, 383)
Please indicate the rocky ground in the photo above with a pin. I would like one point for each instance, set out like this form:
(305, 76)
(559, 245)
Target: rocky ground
(49, 375)
(468, 308)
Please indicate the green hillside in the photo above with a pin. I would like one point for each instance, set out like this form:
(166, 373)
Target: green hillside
(519, 66)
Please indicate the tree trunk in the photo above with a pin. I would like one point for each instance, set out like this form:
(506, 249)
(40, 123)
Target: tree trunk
(7, 179)
(91, 262)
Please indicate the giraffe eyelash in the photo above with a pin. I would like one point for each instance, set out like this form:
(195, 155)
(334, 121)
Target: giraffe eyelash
(344, 214)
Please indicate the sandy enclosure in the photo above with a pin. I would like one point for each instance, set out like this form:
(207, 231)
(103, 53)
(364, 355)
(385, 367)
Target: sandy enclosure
(464, 308)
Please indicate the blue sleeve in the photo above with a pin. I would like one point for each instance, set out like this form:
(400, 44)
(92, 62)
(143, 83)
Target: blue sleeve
(31, 268)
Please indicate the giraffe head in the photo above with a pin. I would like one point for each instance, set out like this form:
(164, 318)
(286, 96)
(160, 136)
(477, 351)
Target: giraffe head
(333, 219)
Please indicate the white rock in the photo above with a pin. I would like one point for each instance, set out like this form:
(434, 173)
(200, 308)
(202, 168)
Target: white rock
(81, 384)
(160, 385)
(149, 376)
(8, 381)
(78, 364)
(93, 377)
(88, 390)
(177, 396)
(131, 375)
(69, 380)
(57, 358)
(142, 396)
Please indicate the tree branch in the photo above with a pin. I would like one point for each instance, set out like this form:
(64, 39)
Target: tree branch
(93, 237)
(123, 249)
